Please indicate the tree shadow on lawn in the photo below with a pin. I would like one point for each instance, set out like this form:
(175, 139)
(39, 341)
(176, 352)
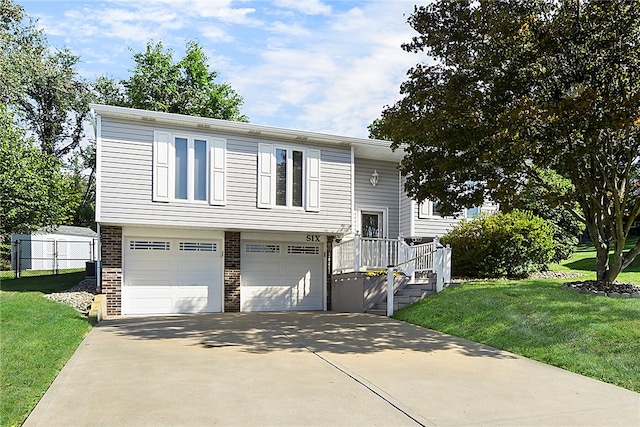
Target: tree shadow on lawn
(46, 284)
(337, 333)
(589, 264)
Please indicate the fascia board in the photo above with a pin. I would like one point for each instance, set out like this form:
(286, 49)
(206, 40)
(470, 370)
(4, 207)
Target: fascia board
(365, 148)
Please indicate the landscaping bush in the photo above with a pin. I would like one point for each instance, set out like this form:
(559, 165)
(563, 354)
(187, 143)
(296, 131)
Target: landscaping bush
(510, 244)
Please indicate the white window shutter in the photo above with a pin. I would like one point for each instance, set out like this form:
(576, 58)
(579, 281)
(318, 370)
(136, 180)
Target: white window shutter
(266, 176)
(161, 166)
(313, 180)
(218, 172)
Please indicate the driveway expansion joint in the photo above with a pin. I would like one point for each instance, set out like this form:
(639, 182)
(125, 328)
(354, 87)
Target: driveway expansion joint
(373, 389)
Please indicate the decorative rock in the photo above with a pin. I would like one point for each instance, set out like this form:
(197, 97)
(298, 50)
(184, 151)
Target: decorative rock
(79, 297)
(614, 290)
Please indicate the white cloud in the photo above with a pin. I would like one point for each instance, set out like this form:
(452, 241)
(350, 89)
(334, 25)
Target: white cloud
(289, 29)
(216, 34)
(337, 78)
(297, 63)
(307, 7)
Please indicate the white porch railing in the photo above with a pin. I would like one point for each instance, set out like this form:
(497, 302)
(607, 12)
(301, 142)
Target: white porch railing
(362, 254)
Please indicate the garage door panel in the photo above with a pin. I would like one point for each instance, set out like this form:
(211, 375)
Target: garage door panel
(276, 277)
(147, 284)
(148, 305)
(183, 276)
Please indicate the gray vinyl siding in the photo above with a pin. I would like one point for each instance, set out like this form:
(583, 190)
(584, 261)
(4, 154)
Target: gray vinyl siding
(126, 186)
(384, 195)
(428, 228)
(422, 228)
(405, 214)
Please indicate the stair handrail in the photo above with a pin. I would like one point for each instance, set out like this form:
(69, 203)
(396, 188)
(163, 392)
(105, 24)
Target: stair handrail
(442, 266)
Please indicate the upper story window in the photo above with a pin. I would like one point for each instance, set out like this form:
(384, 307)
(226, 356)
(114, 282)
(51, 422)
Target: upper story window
(428, 209)
(289, 182)
(191, 168)
(288, 177)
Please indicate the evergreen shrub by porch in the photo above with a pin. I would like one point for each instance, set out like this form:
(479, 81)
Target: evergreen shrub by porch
(510, 244)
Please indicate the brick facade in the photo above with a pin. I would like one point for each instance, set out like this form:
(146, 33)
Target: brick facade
(231, 271)
(111, 256)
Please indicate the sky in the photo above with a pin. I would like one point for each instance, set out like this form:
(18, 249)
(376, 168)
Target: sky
(323, 66)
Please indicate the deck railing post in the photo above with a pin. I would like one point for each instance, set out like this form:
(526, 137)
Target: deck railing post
(447, 265)
(438, 262)
(390, 291)
(356, 253)
(400, 253)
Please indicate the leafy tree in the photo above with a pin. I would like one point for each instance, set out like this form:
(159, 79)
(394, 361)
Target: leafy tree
(41, 88)
(40, 85)
(536, 199)
(34, 192)
(521, 89)
(159, 83)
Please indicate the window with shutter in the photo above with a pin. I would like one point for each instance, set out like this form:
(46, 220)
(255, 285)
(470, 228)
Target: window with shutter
(288, 177)
(189, 168)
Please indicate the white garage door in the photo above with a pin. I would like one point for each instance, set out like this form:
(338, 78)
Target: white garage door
(163, 276)
(281, 276)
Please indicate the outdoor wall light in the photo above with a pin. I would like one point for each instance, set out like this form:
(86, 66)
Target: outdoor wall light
(374, 178)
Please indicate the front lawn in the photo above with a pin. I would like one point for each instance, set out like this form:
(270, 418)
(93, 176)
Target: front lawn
(594, 336)
(37, 337)
(46, 283)
(584, 261)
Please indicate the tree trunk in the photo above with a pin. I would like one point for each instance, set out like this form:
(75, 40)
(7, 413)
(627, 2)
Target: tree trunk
(607, 270)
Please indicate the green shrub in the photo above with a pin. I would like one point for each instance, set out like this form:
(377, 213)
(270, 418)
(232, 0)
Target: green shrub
(505, 244)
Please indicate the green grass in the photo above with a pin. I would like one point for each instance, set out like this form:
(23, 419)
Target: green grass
(594, 336)
(46, 284)
(37, 337)
(584, 261)
(10, 274)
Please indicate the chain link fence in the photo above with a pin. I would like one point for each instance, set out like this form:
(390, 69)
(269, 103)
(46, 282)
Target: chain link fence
(31, 257)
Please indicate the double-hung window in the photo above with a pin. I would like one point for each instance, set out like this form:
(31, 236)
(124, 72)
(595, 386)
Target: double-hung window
(288, 177)
(189, 168)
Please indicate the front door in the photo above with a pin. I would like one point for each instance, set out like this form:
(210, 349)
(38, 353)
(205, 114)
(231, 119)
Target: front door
(371, 225)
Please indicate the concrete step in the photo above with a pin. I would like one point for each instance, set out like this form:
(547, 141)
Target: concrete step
(412, 292)
(405, 299)
(421, 286)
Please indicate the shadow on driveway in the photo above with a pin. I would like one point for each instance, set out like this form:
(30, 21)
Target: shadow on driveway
(338, 333)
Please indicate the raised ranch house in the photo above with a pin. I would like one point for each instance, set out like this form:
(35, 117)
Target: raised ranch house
(207, 215)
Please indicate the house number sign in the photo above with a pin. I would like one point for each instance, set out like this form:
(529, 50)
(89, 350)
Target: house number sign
(313, 238)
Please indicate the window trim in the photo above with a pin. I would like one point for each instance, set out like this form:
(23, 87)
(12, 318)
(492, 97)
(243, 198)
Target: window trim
(425, 210)
(383, 215)
(267, 174)
(164, 168)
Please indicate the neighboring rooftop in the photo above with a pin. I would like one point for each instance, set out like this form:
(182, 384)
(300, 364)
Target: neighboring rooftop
(69, 230)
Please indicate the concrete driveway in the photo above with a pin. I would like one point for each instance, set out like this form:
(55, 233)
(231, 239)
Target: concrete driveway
(312, 369)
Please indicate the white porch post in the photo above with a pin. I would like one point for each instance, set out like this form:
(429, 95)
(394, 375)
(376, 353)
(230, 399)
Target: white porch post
(447, 265)
(390, 291)
(401, 254)
(356, 253)
(438, 262)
